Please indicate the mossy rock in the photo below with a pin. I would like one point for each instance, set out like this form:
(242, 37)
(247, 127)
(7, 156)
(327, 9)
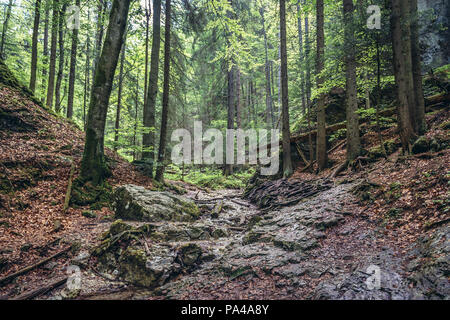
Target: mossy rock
(139, 204)
(421, 145)
(190, 255)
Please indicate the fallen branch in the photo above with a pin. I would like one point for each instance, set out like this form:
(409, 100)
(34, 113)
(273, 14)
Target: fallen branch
(23, 271)
(42, 290)
(338, 170)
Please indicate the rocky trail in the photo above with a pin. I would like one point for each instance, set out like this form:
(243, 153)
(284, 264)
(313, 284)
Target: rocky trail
(219, 246)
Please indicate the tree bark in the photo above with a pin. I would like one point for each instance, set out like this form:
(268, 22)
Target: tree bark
(159, 176)
(45, 55)
(308, 87)
(400, 33)
(5, 29)
(93, 166)
(238, 99)
(72, 71)
(301, 57)
(269, 102)
(148, 142)
(61, 58)
(419, 105)
(34, 45)
(52, 68)
(322, 158)
(353, 139)
(287, 161)
(148, 13)
(119, 96)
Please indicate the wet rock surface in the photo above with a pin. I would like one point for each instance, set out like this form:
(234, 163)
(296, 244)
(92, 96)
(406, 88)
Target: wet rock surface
(319, 248)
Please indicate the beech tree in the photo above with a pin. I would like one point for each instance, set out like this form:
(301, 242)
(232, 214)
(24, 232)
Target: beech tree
(93, 166)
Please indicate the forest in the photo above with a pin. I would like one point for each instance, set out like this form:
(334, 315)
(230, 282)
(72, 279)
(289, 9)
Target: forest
(224, 149)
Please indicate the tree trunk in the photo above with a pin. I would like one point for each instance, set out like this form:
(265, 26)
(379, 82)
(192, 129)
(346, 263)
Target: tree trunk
(148, 142)
(34, 45)
(93, 166)
(52, 68)
(159, 176)
(419, 105)
(148, 13)
(5, 30)
(353, 139)
(308, 87)
(59, 78)
(72, 72)
(269, 109)
(238, 99)
(119, 96)
(301, 57)
(102, 6)
(402, 71)
(287, 161)
(87, 79)
(230, 118)
(45, 55)
(322, 158)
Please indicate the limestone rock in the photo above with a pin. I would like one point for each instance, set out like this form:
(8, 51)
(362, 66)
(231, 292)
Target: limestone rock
(139, 204)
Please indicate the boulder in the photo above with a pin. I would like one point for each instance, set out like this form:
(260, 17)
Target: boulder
(139, 204)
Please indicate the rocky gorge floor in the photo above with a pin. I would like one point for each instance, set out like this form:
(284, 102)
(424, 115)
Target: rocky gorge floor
(219, 246)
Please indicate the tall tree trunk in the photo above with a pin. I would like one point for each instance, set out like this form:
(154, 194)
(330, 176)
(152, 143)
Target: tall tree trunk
(59, 77)
(45, 54)
(119, 95)
(353, 139)
(136, 98)
(52, 69)
(301, 57)
(5, 29)
(72, 72)
(93, 166)
(148, 141)
(101, 14)
(287, 161)
(400, 33)
(308, 87)
(269, 109)
(148, 13)
(34, 45)
(419, 105)
(87, 79)
(228, 169)
(159, 176)
(238, 99)
(322, 158)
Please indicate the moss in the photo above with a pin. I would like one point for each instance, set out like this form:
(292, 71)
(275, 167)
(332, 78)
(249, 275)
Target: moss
(118, 227)
(86, 194)
(133, 268)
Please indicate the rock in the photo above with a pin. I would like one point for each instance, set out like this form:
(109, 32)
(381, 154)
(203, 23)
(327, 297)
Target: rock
(57, 225)
(139, 204)
(89, 214)
(189, 255)
(81, 260)
(118, 227)
(422, 145)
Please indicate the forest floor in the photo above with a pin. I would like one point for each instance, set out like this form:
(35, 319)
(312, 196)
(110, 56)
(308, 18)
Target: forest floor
(372, 214)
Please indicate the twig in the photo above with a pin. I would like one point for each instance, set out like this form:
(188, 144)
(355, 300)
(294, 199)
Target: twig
(42, 290)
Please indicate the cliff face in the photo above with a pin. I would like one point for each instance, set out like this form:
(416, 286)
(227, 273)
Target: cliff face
(435, 34)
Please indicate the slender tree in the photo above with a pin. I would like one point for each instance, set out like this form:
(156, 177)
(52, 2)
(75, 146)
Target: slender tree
(287, 161)
(301, 56)
(52, 69)
(159, 176)
(353, 139)
(148, 139)
(119, 95)
(148, 13)
(60, 74)
(5, 29)
(308, 88)
(34, 45)
(419, 101)
(93, 166)
(45, 53)
(269, 109)
(322, 159)
(72, 71)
